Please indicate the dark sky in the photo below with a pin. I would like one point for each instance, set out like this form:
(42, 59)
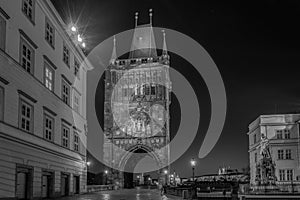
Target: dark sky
(255, 45)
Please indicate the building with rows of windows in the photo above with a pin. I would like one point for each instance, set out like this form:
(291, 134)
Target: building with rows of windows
(43, 125)
(282, 134)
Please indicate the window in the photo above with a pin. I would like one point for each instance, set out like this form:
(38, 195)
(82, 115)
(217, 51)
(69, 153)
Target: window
(280, 154)
(254, 138)
(26, 116)
(65, 93)
(289, 175)
(49, 33)
(76, 68)
(49, 76)
(255, 157)
(66, 55)
(281, 175)
(27, 56)
(2, 32)
(76, 101)
(147, 89)
(28, 9)
(48, 127)
(1, 103)
(287, 134)
(279, 134)
(152, 89)
(288, 154)
(65, 136)
(76, 141)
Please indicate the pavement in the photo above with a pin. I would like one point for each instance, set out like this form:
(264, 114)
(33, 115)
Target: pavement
(125, 194)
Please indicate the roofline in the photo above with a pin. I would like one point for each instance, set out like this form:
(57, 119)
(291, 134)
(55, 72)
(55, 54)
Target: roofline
(51, 12)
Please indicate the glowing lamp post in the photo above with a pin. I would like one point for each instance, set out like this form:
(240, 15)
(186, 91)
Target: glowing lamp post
(193, 164)
(106, 173)
(166, 176)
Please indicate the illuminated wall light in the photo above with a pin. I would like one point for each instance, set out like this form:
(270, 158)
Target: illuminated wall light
(73, 29)
(79, 38)
(83, 45)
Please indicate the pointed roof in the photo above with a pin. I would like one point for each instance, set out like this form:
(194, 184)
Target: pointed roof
(165, 50)
(114, 52)
(143, 41)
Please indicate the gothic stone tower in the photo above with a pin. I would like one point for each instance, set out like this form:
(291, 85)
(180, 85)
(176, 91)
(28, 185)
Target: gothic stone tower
(136, 110)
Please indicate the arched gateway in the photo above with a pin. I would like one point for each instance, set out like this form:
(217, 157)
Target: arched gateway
(136, 108)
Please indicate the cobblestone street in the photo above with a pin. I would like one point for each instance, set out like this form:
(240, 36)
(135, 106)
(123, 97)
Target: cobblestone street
(128, 194)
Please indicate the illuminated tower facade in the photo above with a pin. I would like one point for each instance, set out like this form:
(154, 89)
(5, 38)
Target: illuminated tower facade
(136, 110)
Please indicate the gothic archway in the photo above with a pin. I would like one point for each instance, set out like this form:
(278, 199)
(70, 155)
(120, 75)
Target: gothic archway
(131, 159)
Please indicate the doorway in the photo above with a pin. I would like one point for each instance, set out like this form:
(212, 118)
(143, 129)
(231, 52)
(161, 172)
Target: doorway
(64, 184)
(47, 184)
(23, 182)
(128, 180)
(76, 185)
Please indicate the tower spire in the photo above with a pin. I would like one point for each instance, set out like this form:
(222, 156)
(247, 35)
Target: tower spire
(136, 18)
(165, 51)
(114, 52)
(150, 15)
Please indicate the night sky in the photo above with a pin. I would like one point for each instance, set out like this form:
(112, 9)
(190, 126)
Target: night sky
(255, 45)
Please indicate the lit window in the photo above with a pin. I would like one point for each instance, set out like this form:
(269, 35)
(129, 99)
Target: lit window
(66, 55)
(27, 56)
(49, 32)
(280, 154)
(48, 127)
(288, 154)
(28, 9)
(65, 92)
(76, 102)
(289, 175)
(65, 136)
(1, 103)
(26, 116)
(281, 175)
(49, 77)
(76, 141)
(76, 68)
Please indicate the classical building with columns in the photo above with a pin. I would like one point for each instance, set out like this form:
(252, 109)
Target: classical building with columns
(278, 137)
(43, 125)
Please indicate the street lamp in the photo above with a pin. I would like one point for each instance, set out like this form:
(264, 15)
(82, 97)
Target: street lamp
(166, 176)
(106, 172)
(193, 164)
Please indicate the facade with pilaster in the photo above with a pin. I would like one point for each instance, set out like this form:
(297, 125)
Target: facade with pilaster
(43, 125)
